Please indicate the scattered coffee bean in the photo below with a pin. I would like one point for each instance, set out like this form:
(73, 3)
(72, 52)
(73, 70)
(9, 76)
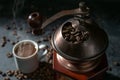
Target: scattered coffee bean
(13, 43)
(9, 55)
(116, 63)
(38, 41)
(44, 72)
(17, 41)
(1, 72)
(45, 39)
(15, 33)
(6, 78)
(8, 40)
(15, 73)
(21, 75)
(10, 73)
(28, 31)
(18, 37)
(14, 28)
(42, 46)
(45, 52)
(3, 42)
(50, 61)
(20, 28)
(25, 76)
(18, 77)
(7, 27)
(110, 69)
(50, 56)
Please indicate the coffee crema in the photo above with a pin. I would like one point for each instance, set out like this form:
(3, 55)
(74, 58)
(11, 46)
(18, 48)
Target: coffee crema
(25, 49)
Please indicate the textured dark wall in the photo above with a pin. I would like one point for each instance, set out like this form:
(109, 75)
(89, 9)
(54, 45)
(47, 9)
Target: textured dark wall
(50, 7)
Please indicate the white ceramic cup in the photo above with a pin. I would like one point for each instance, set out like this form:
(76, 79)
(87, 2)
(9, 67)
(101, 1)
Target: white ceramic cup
(26, 64)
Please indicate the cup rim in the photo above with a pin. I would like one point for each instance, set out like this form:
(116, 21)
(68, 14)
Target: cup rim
(31, 41)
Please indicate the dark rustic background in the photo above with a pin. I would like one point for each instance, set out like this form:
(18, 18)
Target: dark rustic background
(105, 12)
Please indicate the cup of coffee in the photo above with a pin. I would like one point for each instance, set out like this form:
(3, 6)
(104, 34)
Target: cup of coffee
(25, 56)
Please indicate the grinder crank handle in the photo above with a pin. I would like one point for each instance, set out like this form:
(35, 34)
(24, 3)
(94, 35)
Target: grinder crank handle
(63, 13)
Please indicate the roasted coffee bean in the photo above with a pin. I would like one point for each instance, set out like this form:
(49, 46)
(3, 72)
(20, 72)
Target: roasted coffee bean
(38, 41)
(50, 61)
(25, 77)
(50, 56)
(15, 74)
(15, 33)
(13, 43)
(73, 33)
(1, 72)
(45, 39)
(85, 35)
(8, 40)
(18, 71)
(78, 38)
(6, 78)
(67, 38)
(18, 37)
(67, 35)
(116, 63)
(19, 78)
(36, 32)
(9, 55)
(21, 75)
(78, 34)
(17, 41)
(72, 38)
(28, 31)
(8, 27)
(110, 68)
(20, 28)
(14, 28)
(76, 42)
(3, 43)
(73, 30)
(65, 31)
(10, 73)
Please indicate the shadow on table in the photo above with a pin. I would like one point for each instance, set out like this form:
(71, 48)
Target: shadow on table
(109, 76)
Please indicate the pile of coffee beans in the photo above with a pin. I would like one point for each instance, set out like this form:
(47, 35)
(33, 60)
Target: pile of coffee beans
(74, 34)
(44, 72)
(13, 73)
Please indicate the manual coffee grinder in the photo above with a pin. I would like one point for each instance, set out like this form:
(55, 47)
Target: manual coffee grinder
(79, 48)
